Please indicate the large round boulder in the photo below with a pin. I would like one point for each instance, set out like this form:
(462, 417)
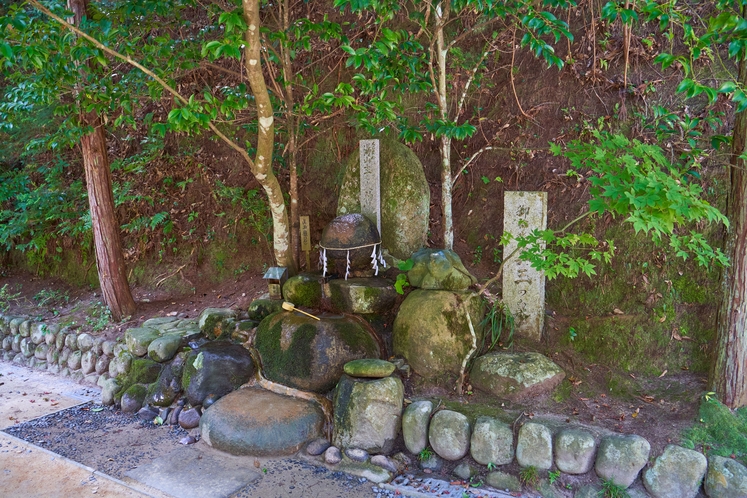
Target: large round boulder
(252, 421)
(405, 197)
(347, 243)
(309, 354)
(216, 369)
(432, 330)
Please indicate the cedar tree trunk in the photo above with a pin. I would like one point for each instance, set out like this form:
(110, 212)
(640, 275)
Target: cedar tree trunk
(729, 378)
(109, 258)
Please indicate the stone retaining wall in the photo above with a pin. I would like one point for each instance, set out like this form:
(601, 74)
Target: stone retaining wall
(435, 437)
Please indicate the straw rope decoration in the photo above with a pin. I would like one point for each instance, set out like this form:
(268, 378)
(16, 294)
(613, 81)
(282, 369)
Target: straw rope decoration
(376, 258)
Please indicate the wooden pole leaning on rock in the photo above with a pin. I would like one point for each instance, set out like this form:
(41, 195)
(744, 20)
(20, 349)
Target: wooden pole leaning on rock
(291, 307)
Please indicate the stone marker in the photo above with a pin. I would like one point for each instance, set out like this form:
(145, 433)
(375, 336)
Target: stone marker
(370, 181)
(523, 286)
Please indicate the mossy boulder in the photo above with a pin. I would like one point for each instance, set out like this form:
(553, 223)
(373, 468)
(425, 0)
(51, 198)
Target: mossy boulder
(142, 371)
(217, 322)
(432, 330)
(515, 376)
(368, 413)
(138, 339)
(405, 197)
(304, 289)
(439, 269)
(215, 369)
(309, 354)
(165, 347)
(133, 397)
(361, 295)
(259, 309)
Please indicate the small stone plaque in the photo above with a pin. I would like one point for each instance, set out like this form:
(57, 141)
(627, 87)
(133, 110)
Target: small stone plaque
(523, 286)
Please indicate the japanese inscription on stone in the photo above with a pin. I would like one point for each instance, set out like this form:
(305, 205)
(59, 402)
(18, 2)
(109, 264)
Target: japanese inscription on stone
(523, 286)
(370, 181)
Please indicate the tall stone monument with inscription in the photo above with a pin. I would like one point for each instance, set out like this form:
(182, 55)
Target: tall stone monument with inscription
(523, 286)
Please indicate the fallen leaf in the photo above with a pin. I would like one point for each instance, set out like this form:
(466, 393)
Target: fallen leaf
(618, 311)
(633, 376)
(676, 336)
(256, 463)
(635, 413)
(663, 373)
(663, 319)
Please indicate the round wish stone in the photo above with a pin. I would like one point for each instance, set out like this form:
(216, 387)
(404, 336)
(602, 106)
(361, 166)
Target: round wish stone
(369, 367)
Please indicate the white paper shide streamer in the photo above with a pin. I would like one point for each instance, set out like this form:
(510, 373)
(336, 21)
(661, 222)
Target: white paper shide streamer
(376, 258)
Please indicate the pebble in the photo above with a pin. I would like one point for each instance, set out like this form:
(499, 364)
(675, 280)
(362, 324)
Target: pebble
(317, 447)
(189, 419)
(357, 454)
(384, 462)
(332, 455)
(147, 413)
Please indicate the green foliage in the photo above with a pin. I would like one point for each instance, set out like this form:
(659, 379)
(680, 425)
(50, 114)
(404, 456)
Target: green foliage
(553, 476)
(718, 430)
(6, 296)
(425, 454)
(98, 316)
(401, 282)
(529, 476)
(636, 180)
(500, 323)
(612, 490)
(51, 298)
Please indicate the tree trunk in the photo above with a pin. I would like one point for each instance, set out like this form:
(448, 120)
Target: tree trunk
(265, 139)
(290, 118)
(729, 377)
(442, 17)
(109, 258)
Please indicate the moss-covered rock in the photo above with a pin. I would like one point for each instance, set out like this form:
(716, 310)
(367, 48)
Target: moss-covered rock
(369, 368)
(217, 322)
(439, 269)
(142, 371)
(132, 398)
(361, 295)
(432, 330)
(515, 375)
(165, 347)
(405, 197)
(304, 289)
(368, 413)
(138, 339)
(260, 309)
(310, 354)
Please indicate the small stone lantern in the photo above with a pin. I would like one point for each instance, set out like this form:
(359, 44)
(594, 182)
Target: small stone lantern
(276, 276)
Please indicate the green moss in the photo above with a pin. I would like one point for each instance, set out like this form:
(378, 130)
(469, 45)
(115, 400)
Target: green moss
(719, 431)
(291, 362)
(142, 371)
(562, 392)
(136, 391)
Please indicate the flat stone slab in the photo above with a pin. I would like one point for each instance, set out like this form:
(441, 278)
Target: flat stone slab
(196, 470)
(372, 368)
(253, 421)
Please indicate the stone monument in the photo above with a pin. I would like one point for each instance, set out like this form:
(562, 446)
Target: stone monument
(523, 286)
(370, 181)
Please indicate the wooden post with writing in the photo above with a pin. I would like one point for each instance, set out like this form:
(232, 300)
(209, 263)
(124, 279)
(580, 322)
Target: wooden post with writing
(305, 239)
